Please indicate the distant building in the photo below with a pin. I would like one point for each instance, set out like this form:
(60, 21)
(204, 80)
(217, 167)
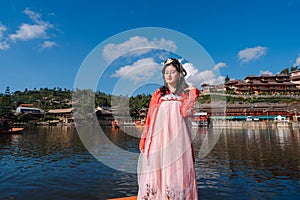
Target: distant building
(207, 88)
(262, 111)
(271, 84)
(26, 105)
(33, 110)
(65, 115)
(104, 113)
(231, 85)
(295, 77)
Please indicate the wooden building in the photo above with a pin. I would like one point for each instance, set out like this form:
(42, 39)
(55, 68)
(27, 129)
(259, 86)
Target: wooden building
(295, 77)
(65, 115)
(262, 111)
(264, 84)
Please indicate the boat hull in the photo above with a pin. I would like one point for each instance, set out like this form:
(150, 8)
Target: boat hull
(12, 131)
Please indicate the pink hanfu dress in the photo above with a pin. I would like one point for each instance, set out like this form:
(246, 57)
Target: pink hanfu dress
(166, 167)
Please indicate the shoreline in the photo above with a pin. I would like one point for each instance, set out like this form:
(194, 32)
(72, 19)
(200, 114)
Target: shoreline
(214, 124)
(254, 124)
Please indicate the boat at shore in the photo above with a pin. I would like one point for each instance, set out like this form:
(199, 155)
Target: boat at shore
(7, 127)
(15, 130)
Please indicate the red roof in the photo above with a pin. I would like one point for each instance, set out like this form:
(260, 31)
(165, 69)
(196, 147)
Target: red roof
(26, 105)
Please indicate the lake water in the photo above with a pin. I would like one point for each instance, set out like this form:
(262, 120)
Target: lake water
(52, 163)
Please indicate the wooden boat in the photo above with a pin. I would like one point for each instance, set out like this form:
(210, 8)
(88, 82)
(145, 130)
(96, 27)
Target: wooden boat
(12, 131)
(7, 127)
(125, 198)
(16, 130)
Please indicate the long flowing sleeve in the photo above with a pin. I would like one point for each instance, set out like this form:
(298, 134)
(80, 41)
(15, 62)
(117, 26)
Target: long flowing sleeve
(154, 103)
(188, 104)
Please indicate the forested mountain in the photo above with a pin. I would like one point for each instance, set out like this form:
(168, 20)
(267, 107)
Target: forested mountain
(57, 98)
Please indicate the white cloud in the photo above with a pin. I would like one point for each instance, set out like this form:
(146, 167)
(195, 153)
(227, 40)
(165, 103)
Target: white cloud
(219, 65)
(197, 78)
(27, 32)
(113, 51)
(142, 70)
(250, 54)
(2, 30)
(32, 31)
(190, 70)
(48, 44)
(3, 43)
(298, 61)
(34, 16)
(266, 72)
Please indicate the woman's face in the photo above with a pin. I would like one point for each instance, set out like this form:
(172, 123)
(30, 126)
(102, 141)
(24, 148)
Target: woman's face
(171, 75)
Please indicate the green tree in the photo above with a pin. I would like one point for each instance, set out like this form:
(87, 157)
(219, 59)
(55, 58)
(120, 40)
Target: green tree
(294, 68)
(5, 104)
(139, 101)
(227, 78)
(285, 71)
(288, 71)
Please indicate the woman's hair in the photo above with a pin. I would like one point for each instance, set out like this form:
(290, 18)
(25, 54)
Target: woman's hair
(181, 84)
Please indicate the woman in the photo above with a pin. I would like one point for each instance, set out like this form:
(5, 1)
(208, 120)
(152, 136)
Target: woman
(166, 164)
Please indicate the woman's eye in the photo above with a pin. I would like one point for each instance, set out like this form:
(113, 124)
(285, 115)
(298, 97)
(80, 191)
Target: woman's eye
(171, 72)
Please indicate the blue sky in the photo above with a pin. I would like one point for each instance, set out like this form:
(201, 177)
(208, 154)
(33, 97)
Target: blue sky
(44, 43)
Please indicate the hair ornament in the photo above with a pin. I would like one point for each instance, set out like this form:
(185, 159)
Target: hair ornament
(180, 60)
(168, 61)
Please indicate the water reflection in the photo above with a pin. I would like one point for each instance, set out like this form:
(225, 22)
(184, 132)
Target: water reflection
(112, 147)
(256, 162)
(52, 163)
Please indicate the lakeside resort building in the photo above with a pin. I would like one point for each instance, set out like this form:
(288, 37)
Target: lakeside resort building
(266, 84)
(256, 85)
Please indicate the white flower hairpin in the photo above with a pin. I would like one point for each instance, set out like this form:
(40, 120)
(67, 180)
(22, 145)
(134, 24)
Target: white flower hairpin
(169, 60)
(180, 60)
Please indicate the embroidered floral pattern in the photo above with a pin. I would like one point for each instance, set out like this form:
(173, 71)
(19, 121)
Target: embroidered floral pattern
(170, 193)
(150, 193)
(173, 194)
(170, 97)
